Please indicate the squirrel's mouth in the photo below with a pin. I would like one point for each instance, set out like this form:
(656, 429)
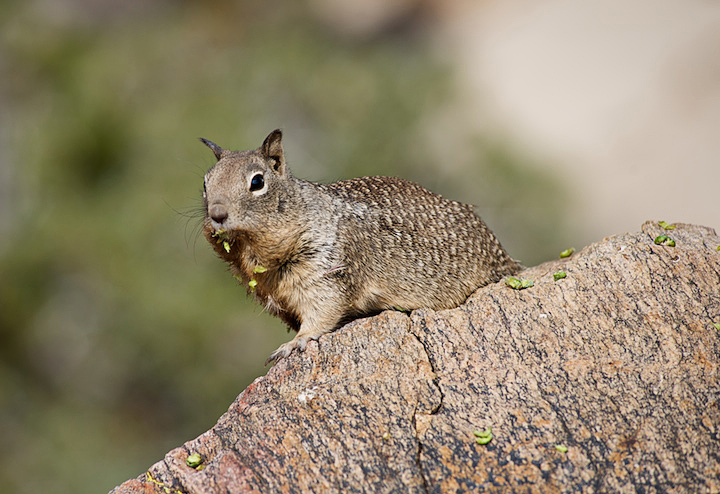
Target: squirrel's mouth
(221, 232)
(222, 237)
(216, 230)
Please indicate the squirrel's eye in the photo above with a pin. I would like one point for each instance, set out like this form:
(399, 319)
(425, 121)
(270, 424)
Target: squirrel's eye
(257, 182)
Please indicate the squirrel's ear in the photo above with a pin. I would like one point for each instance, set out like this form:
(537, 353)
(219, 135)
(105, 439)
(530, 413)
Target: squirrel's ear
(272, 150)
(217, 150)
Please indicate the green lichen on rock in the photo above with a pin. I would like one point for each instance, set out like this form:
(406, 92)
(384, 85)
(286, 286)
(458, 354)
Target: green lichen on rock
(518, 283)
(664, 240)
(483, 437)
(194, 460)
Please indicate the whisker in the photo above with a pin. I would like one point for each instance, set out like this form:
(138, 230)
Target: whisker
(197, 232)
(189, 212)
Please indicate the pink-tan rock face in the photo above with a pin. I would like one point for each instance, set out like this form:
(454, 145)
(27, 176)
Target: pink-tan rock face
(605, 381)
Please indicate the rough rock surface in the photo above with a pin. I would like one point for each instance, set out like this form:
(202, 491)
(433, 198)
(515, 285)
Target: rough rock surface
(619, 362)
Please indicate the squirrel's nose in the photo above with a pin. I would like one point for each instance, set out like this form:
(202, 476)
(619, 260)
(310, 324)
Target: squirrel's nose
(218, 213)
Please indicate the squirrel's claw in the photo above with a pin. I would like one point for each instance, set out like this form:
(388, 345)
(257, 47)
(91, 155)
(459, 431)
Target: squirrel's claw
(286, 349)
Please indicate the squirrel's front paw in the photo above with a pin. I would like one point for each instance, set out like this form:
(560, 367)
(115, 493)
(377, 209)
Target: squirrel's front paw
(286, 349)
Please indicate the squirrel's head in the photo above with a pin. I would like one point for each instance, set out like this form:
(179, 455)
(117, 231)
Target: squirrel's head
(246, 191)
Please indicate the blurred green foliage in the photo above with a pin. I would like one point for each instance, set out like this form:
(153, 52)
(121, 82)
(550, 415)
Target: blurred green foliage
(122, 335)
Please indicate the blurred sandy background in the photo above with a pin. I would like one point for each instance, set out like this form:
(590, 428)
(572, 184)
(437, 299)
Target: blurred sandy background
(122, 336)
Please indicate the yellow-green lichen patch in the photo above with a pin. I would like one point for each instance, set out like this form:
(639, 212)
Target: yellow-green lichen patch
(166, 489)
(518, 283)
(561, 448)
(559, 275)
(194, 460)
(567, 252)
(667, 226)
(664, 240)
(483, 437)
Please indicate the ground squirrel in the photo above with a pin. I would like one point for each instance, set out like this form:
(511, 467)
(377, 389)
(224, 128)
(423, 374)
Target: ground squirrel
(318, 255)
